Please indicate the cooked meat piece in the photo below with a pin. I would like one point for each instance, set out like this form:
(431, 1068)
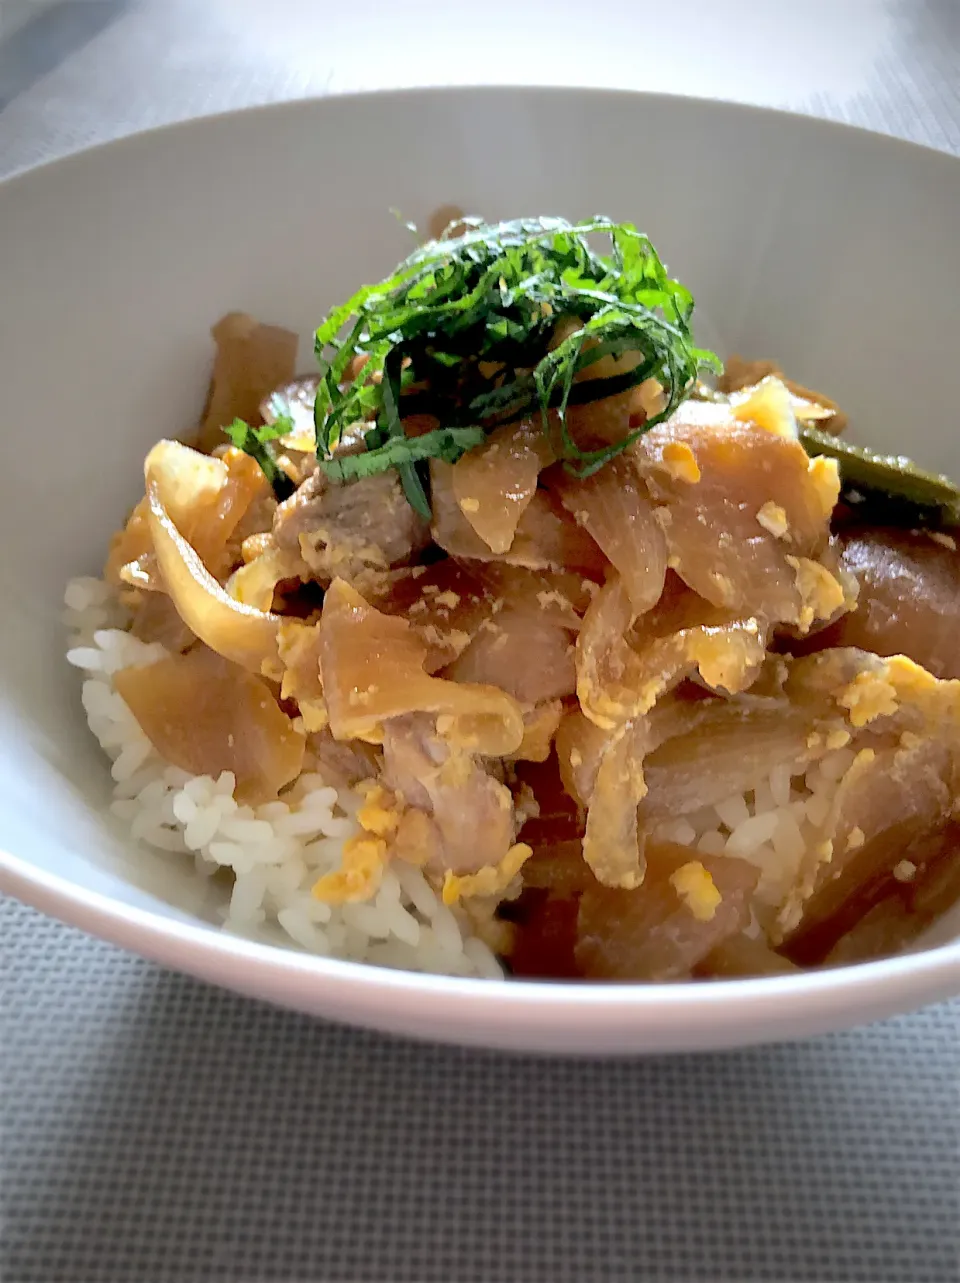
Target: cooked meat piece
(524, 653)
(446, 603)
(155, 619)
(340, 529)
(471, 811)
(342, 765)
(909, 600)
(687, 905)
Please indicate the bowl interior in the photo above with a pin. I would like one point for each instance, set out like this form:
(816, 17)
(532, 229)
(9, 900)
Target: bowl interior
(832, 250)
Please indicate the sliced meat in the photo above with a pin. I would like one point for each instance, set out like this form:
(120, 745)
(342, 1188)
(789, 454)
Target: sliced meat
(687, 905)
(524, 653)
(342, 529)
(155, 619)
(909, 601)
(446, 604)
(471, 811)
(342, 765)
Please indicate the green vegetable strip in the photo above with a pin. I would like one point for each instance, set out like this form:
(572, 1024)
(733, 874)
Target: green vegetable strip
(466, 324)
(253, 441)
(447, 444)
(412, 484)
(927, 498)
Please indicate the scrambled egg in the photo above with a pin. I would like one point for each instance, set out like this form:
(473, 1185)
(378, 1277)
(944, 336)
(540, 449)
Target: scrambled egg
(773, 518)
(681, 463)
(381, 812)
(360, 873)
(299, 657)
(825, 475)
(492, 879)
(855, 838)
(694, 885)
(821, 594)
(768, 405)
(867, 697)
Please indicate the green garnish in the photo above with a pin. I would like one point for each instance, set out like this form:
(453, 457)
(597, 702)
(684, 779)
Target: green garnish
(447, 444)
(926, 497)
(253, 441)
(461, 331)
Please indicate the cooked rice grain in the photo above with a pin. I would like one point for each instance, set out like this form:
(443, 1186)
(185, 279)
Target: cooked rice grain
(276, 851)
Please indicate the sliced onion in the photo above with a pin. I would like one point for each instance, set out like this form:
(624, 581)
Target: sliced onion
(546, 537)
(607, 678)
(615, 508)
(494, 483)
(250, 360)
(373, 670)
(239, 633)
(206, 715)
(611, 844)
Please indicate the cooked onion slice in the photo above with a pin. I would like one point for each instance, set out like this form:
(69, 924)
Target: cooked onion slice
(615, 509)
(744, 512)
(610, 844)
(494, 483)
(546, 537)
(622, 671)
(251, 360)
(206, 715)
(239, 633)
(373, 670)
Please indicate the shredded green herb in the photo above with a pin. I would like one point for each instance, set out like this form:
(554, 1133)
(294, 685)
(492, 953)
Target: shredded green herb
(253, 441)
(462, 331)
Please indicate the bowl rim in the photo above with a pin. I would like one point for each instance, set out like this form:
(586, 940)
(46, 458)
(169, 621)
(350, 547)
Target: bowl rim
(517, 89)
(935, 969)
(925, 975)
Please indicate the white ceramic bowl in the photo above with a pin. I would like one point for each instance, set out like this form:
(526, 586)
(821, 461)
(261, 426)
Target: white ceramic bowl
(831, 249)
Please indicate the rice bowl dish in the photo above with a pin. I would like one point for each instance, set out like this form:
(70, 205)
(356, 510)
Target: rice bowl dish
(532, 641)
(777, 272)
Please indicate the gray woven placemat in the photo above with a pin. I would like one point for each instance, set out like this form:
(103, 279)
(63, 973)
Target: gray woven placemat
(155, 1130)
(158, 1129)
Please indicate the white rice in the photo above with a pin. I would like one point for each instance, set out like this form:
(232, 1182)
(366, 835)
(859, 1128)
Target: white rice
(774, 824)
(276, 851)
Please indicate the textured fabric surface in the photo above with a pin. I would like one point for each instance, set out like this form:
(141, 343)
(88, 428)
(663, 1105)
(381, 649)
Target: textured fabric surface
(158, 1129)
(155, 1130)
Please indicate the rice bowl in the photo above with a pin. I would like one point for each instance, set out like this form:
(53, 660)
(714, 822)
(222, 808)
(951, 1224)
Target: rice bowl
(178, 794)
